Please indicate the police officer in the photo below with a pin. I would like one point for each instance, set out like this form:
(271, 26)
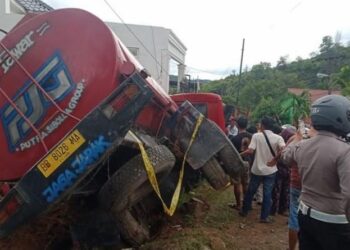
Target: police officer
(324, 167)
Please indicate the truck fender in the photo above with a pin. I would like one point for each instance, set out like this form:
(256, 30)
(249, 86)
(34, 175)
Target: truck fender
(210, 140)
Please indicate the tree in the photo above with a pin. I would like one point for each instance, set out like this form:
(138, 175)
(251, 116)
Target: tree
(266, 107)
(326, 45)
(294, 107)
(282, 63)
(342, 79)
(263, 89)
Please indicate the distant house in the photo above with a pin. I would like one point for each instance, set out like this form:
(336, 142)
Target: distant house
(313, 93)
(31, 6)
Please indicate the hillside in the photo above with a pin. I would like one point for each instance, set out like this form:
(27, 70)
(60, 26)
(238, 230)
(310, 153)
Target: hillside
(263, 87)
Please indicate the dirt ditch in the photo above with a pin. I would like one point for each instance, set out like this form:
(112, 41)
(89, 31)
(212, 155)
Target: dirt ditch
(205, 221)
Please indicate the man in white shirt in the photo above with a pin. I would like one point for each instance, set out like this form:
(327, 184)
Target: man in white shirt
(261, 171)
(232, 129)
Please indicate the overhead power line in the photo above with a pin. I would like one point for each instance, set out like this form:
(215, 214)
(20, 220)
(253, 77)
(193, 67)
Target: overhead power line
(136, 37)
(149, 52)
(209, 71)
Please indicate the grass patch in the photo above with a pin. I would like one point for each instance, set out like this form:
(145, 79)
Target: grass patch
(208, 223)
(218, 214)
(201, 227)
(186, 239)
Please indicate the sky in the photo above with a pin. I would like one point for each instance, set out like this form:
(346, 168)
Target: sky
(213, 30)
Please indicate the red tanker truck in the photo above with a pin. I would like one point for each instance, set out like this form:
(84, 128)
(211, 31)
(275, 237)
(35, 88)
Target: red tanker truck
(69, 93)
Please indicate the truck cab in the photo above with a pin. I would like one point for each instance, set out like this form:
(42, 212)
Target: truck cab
(209, 104)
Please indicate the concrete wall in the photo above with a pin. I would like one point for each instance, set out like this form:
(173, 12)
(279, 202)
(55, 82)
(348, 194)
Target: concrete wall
(10, 14)
(8, 21)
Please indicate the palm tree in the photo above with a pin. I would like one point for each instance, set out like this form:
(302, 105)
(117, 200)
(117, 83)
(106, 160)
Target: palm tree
(295, 107)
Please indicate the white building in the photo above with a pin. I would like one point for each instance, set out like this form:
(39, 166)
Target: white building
(154, 47)
(11, 11)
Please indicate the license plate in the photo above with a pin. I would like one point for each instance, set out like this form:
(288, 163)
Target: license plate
(61, 153)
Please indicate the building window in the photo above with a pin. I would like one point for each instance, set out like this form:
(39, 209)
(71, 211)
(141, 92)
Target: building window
(134, 51)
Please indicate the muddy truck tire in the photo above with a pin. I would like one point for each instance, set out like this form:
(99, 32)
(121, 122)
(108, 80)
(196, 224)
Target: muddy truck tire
(215, 174)
(231, 161)
(123, 193)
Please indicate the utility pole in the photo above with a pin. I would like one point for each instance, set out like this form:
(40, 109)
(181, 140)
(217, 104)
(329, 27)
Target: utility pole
(240, 72)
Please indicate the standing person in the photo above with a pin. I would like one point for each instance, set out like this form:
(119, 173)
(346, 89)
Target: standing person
(241, 142)
(294, 194)
(263, 143)
(252, 130)
(324, 166)
(258, 194)
(280, 192)
(232, 129)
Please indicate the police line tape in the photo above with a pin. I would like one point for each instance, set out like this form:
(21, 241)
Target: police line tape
(152, 176)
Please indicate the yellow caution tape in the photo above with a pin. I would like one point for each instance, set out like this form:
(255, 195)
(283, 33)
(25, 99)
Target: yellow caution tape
(152, 176)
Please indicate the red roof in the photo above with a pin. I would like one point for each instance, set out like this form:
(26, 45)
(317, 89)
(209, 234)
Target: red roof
(314, 93)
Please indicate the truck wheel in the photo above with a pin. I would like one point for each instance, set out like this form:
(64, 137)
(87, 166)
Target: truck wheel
(215, 175)
(232, 161)
(128, 186)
